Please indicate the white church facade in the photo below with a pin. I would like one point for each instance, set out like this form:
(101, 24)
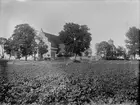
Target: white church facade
(52, 41)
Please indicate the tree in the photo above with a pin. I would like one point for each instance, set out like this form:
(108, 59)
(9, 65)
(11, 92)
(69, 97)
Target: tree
(86, 53)
(2, 42)
(42, 48)
(34, 47)
(8, 47)
(75, 37)
(103, 49)
(23, 38)
(132, 41)
(121, 51)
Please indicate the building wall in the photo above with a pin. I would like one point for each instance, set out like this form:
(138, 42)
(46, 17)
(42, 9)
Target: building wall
(1, 51)
(45, 40)
(62, 48)
(111, 42)
(53, 54)
(51, 50)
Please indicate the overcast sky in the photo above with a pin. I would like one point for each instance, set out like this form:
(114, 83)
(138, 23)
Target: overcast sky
(105, 18)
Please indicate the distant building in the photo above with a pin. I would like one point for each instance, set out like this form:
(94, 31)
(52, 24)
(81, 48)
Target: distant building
(111, 42)
(113, 50)
(88, 51)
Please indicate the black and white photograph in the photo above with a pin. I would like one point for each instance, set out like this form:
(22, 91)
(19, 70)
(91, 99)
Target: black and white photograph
(69, 52)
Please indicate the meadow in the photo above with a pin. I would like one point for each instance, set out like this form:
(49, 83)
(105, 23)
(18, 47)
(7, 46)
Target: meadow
(67, 83)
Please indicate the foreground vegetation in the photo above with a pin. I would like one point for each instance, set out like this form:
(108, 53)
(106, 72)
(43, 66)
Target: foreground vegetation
(93, 83)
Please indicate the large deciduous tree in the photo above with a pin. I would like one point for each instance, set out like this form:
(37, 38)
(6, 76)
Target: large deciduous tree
(121, 51)
(23, 38)
(75, 37)
(132, 41)
(34, 48)
(8, 47)
(103, 49)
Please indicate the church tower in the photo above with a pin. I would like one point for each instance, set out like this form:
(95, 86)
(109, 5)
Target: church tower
(111, 42)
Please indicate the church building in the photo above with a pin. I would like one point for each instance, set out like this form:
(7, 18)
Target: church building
(53, 42)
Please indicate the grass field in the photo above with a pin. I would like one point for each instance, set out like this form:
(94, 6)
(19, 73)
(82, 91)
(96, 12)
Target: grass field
(114, 78)
(39, 69)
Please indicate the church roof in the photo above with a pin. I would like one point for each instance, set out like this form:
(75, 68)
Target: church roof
(55, 40)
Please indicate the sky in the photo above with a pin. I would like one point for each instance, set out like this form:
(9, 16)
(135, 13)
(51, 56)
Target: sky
(107, 19)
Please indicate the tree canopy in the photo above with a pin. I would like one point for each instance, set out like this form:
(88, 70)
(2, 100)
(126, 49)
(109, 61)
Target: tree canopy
(2, 42)
(103, 48)
(75, 37)
(133, 40)
(23, 39)
(42, 48)
(106, 50)
(8, 47)
(121, 51)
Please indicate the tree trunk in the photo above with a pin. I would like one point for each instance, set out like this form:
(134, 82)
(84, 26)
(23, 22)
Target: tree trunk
(80, 57)
(26, 58)
(34, 57)
(41, 56)
(9, 56)
(134, 56)
(75, 56)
